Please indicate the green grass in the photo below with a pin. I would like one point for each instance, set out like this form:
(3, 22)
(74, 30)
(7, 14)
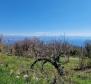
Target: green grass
(13, 69)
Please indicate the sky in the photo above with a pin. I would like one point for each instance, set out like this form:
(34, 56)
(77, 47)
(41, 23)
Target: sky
(45, 17)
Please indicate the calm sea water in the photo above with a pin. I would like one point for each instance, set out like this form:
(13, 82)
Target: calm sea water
(75, 40)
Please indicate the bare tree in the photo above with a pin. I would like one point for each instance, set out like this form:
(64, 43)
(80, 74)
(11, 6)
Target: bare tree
(88, 48)
(50, 53)
(88, 52)
(1, 43)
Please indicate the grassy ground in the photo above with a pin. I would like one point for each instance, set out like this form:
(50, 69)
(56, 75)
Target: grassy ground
(14, 70)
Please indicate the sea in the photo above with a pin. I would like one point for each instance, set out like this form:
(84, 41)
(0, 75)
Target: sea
(74, 40)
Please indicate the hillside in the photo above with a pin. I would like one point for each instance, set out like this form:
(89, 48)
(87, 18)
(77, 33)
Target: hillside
(16, 70)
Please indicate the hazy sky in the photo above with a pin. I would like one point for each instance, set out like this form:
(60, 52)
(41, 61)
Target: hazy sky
(45, 17)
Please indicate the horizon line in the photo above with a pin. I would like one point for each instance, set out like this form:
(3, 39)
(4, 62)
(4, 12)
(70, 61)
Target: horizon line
(49, 34)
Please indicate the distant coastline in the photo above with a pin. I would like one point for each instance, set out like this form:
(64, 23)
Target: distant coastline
(74, 40)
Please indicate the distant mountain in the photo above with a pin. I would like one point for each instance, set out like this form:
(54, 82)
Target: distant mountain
(75, 40)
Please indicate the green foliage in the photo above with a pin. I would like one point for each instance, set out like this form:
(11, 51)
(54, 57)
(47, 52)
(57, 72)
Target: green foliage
(13, 69)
